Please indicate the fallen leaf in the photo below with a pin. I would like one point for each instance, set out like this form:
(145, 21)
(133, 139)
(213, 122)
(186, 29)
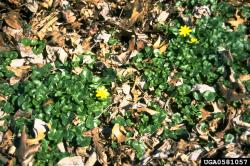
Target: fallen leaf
(24, 152)
(12, 20)
(61, 147)
(236, 22)
(71, 161)
(14, 80)
(157, 43)
(17, 34)
(3, 98)
(116, 133)
(27, 53)
(125, 72)
(245, 77)
(137, 12)
(163, 48)
(95, 2)
(39, 128)
(69, 16)
(203, 88)
(148, 110)
(162, 17)
(103, 36)
(194, 156)
(102, 157)
(204, 114)
(216, 107)
(176, 127)
(17, 62)
(32, 6)
(77, 70)
(16, 2)
(46, 3)
(58, 38)
(19, 71)
(126, 88)
(91, 160)
(47, 23)
(62, 54)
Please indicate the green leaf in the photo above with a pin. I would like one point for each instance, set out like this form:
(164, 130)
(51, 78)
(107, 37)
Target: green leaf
(83, 141)
(90, 122)
(86, 74)
(184, 89)
(209, 96)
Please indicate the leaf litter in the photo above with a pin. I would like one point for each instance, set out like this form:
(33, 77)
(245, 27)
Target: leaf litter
(72, 28)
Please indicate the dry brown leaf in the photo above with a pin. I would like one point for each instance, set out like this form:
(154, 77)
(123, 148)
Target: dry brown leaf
(204, 114)
(7, 139)
(125, 72)
(137, 11)
(245, 77)
(231, 112)
(16, 34)
(76, 121)
(140, 45)
(148, 110)
(58, 38)
(102, 157)
(12, 20)
(32, 6)
(246, 102)
(91, 160)
(46, 3)
(17, 62)
(116, 133)
(16, 2)
(77, 70)
(19, 71)
(182, 145)
(176, 127)
(36, 140)
(236, 22)
(14, 80)
(3, 98)
(49, 21)
(162, 17)
(95, 2)
(48, 102)
(126, 88)
(69, 16)
(163, 48)
(71, 161)
(131, 46)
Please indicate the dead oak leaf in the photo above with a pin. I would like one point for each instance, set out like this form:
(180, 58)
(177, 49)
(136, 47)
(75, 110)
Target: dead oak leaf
(236, 22)
(12, 20)
(19, 71)
(204, 114)
(3, 98)
(24, 152)
(116, 133)
(69, 16)
(137, 12)
(244, 77)
(102, 157)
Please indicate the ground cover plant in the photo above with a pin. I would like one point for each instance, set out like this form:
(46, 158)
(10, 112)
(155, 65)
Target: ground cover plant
(123, 83)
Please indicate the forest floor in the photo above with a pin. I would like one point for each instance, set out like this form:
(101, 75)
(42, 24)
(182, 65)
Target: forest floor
(103, 82)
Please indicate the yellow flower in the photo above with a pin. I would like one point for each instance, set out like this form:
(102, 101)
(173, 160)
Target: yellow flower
(102, 92)
(185, 31)
(193, 40)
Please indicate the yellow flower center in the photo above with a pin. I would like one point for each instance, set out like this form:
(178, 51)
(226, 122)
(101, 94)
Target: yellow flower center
(102, 92)
(185, 31)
